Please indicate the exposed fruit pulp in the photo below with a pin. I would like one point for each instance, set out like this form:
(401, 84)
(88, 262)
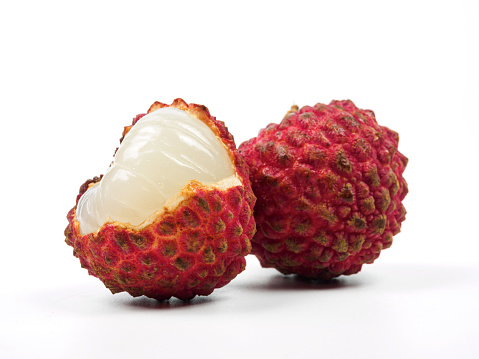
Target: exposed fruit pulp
(159, 155)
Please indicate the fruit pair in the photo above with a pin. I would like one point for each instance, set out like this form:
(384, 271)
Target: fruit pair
(173, 215)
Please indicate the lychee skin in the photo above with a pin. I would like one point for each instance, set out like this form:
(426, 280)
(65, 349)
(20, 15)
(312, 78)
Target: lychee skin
(188, 251)
(329, 187)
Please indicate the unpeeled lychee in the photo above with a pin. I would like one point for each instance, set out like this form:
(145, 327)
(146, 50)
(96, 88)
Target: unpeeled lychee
(329, 187)
(172, 216)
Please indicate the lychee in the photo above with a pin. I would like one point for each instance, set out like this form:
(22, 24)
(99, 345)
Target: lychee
(329, 186)
(172, 216)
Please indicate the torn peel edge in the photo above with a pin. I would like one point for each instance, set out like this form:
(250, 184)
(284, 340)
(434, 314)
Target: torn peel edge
(186, 193)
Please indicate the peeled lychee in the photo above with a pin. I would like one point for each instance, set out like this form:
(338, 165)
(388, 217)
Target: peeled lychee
(172, 216)
(329, 187)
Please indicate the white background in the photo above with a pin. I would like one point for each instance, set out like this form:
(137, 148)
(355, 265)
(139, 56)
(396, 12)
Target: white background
(72, 74)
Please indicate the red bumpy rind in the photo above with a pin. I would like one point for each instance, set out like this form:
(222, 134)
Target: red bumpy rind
(329, 187)
(190, 250)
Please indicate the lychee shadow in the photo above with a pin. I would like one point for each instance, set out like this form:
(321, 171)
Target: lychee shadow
(281, 282)
(172, 303)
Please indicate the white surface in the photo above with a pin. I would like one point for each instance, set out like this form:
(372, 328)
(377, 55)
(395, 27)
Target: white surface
(392, 310)
(71, 76)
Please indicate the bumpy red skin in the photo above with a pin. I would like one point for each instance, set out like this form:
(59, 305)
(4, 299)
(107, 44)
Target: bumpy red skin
(197, 247)
(329, 186)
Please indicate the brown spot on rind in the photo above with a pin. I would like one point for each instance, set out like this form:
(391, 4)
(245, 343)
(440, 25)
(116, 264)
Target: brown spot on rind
(387, 239)
(283, 155)
(348, 121)
(203, 204)
(182, 264)
(313, 253)
(169, 248)
(323, 238)
(303, 226)
(219, 269)
(167, 227)
(356, 243)
(110, 258)
(189, 218)
(357, 222)
(222, 245)
(372, 176)
(238, 230)
(367, 205)
(315, 155)
(326, 255)
(289, 261)
(295, 245)
(194, 241)
(271, 245)
(346, 193)
(341, 243)
(362, 189)
(344, 211)
(192, 282)
(122, 241)
(208, 255)
(361, 149)
(219, 226)
(382, 199)
(127, 267)
(335, 131)
(379, 224)
(140, 241)
(327, 213)
(167, 282)
(343, 163)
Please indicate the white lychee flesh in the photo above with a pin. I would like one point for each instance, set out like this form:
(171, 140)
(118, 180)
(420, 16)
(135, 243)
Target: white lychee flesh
(156, 159)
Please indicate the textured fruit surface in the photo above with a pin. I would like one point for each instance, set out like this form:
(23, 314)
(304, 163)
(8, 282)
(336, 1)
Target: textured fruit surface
(329, 187)
(188, 247)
